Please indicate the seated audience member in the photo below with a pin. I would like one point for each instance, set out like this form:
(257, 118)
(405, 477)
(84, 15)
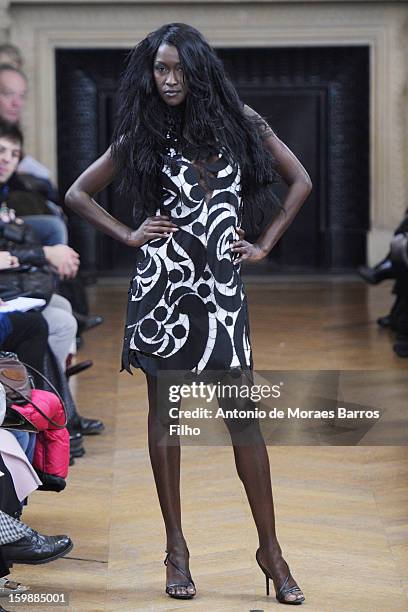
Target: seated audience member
(51, 445)
(58, 313)
(18, 481)
(30, 332)
(10, 54)
(18, 542)
(22, 192)
(21, 544)
(399, 313)
(20, 201)
(30, 547)
(394, 266)
(27, 335)
(383, 270)
(21, 479)
(13, 92)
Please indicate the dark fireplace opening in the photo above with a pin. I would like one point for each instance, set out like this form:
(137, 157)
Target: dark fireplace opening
(317, 101)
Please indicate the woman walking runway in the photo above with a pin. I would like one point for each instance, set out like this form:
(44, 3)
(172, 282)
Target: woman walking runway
(199, 164)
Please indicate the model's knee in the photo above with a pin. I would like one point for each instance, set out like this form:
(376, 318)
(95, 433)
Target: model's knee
(244, 431)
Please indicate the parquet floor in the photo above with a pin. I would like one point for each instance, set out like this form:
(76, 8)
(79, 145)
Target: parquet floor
(342, 512)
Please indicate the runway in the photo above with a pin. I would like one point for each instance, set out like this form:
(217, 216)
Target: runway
(342, 512)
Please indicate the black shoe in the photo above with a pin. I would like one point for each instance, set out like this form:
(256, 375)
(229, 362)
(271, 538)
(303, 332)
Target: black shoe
(71, 460)
(76, 453)
(35, 549)
(382, 271)
(75, 444)
(384, 322)
(78, 367)
(85, 322)
(88, 427)
(51, 482)
(401, 345)
(75, 438)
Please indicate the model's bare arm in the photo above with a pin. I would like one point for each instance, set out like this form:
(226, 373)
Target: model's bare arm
(80, 198)
(299, 183)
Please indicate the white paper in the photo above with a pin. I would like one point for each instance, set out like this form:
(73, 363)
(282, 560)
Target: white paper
(21, 304)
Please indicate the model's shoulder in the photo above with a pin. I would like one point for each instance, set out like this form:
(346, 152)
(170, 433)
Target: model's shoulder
(249, 111)
(258, 121)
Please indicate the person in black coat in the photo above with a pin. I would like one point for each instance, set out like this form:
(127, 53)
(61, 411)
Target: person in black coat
(394, 266)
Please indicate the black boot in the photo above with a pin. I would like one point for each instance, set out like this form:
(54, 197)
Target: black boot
(390, 321)
(78, 367)
(51, 482)
(401, 345)
(88, 427)
(87, 322)
(76, 448)
(384, 322)
(382, 271)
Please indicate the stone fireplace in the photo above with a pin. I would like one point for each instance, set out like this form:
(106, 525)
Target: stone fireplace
(316, 100)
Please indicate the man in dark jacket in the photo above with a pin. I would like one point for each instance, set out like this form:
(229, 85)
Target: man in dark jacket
(21, 194)
(61, 256)
(399, 313)
(20, 241)
(394, 266)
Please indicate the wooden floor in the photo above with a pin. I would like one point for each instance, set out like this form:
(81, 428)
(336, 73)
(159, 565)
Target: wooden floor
(342, 512)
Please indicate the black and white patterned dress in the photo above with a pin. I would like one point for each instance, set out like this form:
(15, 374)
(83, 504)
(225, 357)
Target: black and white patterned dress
(187, 306)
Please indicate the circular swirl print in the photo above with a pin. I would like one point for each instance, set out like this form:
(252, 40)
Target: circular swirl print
(187, 303)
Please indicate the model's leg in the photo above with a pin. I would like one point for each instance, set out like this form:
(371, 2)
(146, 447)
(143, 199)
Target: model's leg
(252, 463)
(165, 460)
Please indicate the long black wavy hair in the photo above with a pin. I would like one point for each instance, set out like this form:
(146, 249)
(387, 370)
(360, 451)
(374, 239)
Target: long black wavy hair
(211, 113)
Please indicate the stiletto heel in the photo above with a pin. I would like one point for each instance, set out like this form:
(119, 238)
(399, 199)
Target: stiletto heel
(175, 585)
(283, 590)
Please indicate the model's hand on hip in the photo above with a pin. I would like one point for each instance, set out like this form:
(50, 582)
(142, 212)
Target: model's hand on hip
(153, 227)
(247, 251)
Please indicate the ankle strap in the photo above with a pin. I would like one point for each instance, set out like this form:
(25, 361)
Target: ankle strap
(168, 559)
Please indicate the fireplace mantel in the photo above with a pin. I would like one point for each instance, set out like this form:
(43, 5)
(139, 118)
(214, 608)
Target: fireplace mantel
(39, 27)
